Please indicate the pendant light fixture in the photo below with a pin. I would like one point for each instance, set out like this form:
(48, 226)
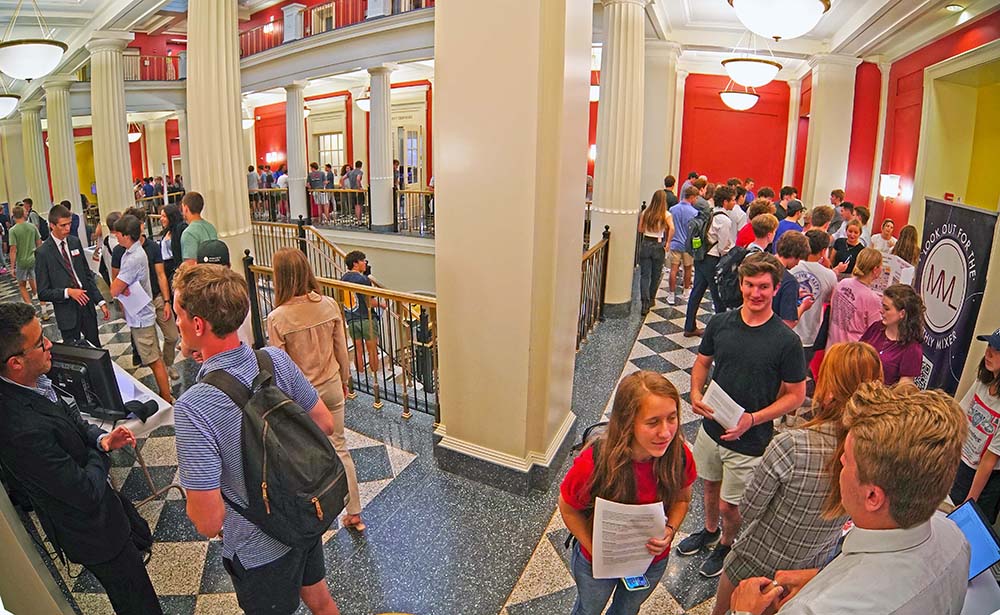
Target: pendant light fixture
(29, 58)
(739, 101)
(365, 101)
(780, 19)
(749, 69)
(134, 132)
(248, 118)
(8, 101)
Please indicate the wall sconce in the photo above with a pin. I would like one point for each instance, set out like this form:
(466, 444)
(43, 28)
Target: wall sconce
(592, 152)
(269, 26)
(888, 186)
(272, 157)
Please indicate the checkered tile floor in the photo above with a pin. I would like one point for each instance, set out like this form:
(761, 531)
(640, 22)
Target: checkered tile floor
(546, 586)
(186, 569)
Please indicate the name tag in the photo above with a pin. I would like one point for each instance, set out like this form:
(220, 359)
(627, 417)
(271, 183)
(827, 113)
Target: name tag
(74, 253)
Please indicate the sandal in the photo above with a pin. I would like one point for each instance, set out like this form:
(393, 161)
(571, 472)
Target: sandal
(353, 522)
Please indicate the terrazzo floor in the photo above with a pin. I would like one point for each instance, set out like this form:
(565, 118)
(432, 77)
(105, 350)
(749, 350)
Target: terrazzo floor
(436, 543)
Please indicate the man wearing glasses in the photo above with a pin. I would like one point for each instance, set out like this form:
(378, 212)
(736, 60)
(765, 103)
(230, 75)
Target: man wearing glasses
(62, 463)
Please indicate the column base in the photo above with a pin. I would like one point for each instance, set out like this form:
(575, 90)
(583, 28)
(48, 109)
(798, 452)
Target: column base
(383, 228)
(617, 310)
(537, 477)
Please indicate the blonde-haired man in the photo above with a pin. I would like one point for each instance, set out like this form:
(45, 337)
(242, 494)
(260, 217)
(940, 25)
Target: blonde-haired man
(899, 461)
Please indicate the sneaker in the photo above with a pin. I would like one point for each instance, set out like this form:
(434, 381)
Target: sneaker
(701, 539)
(686, 295)
(712, 567)
(671, 300)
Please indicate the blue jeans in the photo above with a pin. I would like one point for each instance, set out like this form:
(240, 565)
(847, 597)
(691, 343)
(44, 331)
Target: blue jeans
(651, 257)
(592, 594)
(704, 279)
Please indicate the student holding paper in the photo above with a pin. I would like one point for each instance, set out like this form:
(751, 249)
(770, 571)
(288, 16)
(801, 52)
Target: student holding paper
(760, 365)
(792, 516)
(140, 316)
(640, 459)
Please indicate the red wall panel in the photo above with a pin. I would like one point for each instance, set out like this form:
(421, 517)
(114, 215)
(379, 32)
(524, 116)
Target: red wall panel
(357, 7)
(864, 134)
(173, 145)
(905, 102)
(135, 158)
(799, 170)
(269, 133)
(721, 143)
(157, 45)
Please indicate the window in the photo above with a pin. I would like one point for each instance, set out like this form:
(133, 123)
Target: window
(413, 157)
(331, 150)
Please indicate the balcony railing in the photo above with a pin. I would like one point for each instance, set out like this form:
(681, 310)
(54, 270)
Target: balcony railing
(593, 285)
(317, 20)
(151, 68)
(415, 212)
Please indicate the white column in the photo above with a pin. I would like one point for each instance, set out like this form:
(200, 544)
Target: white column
(12, 159)
(182, 63)
(156, 146)
(214, 121)
(830, 118)
(678, 129)
(295, 133)
(507, 374)
(619, 144)
(359, 130)
(182, 136)
(249, 146)
(378, 8)
(874, 198)
(293, 22)
(380, 156)
(112, 165)
(794, 100)
(658, 120)
(62, 149)
(34, 157)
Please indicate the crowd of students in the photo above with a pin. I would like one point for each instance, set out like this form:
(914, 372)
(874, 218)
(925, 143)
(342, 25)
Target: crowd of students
(868, 447)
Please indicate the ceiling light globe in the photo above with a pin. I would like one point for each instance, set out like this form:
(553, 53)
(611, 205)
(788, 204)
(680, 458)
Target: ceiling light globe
(780, 19)
(30, 58)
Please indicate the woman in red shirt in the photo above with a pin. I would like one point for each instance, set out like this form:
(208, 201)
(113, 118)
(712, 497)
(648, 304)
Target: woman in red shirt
(640, 459)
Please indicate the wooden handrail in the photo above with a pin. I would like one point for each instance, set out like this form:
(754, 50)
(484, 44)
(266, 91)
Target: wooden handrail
(382, 293)
(594, 250)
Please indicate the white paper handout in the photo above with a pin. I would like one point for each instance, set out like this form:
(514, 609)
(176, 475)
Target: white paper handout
(727, 412)
(136, 298)
(621, 532)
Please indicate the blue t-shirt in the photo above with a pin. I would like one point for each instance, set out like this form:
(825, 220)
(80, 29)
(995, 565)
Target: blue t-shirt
(683, 213)
(209, 449)
(360, 311)
(786, 301)
(783, 227)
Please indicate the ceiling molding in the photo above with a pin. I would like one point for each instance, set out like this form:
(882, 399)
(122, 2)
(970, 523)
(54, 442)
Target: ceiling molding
(929, 27)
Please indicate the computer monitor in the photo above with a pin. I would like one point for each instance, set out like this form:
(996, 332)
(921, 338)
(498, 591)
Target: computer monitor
(87, 374)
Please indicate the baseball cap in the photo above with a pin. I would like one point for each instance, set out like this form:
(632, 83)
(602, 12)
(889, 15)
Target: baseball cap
(794, 206)
(992, 339)
(213, 252)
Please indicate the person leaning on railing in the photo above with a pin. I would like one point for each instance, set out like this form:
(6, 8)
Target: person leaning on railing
(309, 327)
(362, 319)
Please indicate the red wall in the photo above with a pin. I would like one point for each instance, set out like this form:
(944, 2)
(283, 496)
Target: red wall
(262, 17)
(721, 143)
(135, 157)
(905, 101)
(864, 134)
(173, 145)
(156, 45)
(802, 134)
(269, 133)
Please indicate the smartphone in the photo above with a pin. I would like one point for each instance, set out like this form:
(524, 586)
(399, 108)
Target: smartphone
(634, 584)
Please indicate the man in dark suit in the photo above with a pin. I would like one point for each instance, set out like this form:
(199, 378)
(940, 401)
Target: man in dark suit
(62, 463)
(65, 279)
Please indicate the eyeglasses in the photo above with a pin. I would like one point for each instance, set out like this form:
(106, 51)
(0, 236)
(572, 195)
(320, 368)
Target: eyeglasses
(36, 346)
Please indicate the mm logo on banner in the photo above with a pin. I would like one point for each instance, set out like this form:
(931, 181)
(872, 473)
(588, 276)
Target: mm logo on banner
(943, 284)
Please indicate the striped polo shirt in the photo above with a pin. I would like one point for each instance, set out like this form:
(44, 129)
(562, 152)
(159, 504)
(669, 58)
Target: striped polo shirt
(209, 452)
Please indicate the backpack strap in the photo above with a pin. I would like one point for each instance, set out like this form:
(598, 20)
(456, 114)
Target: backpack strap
(233, 388)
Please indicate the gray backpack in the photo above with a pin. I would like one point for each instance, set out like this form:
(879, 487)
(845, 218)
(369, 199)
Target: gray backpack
(296, 485)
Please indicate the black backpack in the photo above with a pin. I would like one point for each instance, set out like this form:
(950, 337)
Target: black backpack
(727, 277)
(698, 244)
(296, 485)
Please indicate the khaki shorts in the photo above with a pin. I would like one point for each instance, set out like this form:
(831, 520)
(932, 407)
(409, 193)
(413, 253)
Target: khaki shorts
(719, 464)
(679, 257)
(147, 344)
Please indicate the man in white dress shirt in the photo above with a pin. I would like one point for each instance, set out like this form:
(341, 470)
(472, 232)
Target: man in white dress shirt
(900, 558)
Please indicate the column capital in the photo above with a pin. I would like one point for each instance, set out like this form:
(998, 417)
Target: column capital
(381, 70)
(296, 85)
(58, 82)
(162, 121)
(663, 49)
(113, 40)
(292, 8)
(832, 59)
(682, 74)
(34, 106)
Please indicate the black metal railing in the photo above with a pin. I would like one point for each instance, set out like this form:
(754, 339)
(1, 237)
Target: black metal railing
(586, 226)
(340, 207)
(638, 235)
(269, 205)
(593, 286)
(398, 363)
(414, 211)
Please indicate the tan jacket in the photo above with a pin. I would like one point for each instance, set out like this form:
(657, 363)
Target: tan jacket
(310, 328)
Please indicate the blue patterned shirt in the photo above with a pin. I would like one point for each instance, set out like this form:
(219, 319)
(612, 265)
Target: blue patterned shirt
(209, 452)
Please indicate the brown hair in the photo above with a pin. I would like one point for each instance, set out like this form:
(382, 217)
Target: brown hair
(863, 213)
(691, 191)
(838, 194)
(793, 244)
(216, 294)
(909, 443)
(903, 297)
(760, 206)
(194, 202)
(757, 263)
(821, 214)
(907, 247)
(18, 212)
(845, 367)
(764, 224)
(869, 259)
(700, 183)
(654, 217)
(613, 477)
(986, 376)
(293, 277)
(819, 240)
